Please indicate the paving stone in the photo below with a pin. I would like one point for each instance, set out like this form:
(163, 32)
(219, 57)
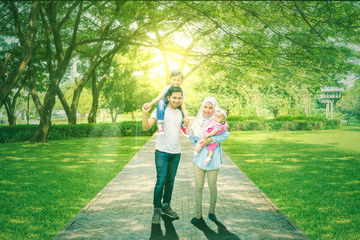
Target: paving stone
(123, 209)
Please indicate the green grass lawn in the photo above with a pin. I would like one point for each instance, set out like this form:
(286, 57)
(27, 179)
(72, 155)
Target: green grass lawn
(314, 177)
(43, 186)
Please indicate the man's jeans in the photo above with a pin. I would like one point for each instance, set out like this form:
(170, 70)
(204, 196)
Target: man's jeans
(166, 168)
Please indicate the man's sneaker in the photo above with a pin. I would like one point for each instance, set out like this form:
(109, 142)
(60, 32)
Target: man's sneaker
(169, 212)
(184, 132)
(156, 217)
(160, 130)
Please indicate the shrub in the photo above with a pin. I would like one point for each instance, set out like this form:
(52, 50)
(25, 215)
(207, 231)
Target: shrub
(283, 123)
(64, 131)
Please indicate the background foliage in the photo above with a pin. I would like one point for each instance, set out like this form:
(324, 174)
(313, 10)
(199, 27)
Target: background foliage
(257, 58)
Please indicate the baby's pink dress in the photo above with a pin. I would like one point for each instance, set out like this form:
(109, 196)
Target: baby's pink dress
(218, 126)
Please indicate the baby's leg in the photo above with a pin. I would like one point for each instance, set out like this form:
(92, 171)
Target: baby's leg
(211, 148)
(207, 160)
(211, 153)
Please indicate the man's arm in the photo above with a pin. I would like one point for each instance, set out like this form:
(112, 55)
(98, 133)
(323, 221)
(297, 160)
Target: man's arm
(147, 123)
(185, 112)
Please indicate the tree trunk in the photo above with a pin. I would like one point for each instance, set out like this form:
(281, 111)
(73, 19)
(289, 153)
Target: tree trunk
(66, 107)
(10, 111)
(93, 112)
(96, 88)
(27, 43)
(275, 112)
(94, 107)
(95, 100)
(112, 115)
(28, 110)
(72, 117)
(10, 104)
(44, 110)
(257, 99)
(42, 132)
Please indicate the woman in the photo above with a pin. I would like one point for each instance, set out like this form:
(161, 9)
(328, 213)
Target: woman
(203, 119)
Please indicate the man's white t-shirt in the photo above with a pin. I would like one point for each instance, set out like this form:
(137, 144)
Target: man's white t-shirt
(170, 141)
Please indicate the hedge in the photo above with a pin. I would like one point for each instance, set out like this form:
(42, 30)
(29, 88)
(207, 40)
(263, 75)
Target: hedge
(284, 125)
(63, 131)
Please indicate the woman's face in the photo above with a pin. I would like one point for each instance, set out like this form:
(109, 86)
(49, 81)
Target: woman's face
(208, 109)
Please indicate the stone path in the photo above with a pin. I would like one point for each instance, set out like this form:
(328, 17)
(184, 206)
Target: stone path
(123, 209)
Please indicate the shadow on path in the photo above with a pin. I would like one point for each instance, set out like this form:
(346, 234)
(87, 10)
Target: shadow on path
(222, 234)
(170, 233)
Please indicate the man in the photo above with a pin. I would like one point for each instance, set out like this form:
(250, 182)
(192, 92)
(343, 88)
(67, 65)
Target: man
(167, 152)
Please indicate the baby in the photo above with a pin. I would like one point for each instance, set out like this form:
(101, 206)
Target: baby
(218, 126)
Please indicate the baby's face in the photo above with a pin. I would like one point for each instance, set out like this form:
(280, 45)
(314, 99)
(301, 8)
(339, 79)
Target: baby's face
(219, 117)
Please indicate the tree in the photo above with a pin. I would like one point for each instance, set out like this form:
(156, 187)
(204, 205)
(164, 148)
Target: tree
(128, 87)
(26, 41)
(241, 47)
(10, 103)
(95, 58)
(57, 58)
(349, 104)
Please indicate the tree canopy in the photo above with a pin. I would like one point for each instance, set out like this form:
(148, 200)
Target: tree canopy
(251, 55)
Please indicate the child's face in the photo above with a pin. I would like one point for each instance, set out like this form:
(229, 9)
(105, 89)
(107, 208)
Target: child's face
(176, 81)
(219, 117)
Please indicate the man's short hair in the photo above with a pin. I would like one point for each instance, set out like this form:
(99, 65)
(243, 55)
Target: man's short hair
(174, 89)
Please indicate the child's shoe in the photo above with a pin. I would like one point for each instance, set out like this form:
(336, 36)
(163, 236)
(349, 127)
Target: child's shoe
(207, 160)
(184, 132)
(160, 130)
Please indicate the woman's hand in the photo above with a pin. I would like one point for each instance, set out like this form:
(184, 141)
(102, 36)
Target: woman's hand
(205, 142)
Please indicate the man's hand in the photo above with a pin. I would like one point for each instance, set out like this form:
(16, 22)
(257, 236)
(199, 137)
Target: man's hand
(186, 120)
(146, 108)
(147, 123)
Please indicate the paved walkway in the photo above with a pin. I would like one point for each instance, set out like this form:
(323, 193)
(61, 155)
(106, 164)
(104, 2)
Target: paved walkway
(123, 209)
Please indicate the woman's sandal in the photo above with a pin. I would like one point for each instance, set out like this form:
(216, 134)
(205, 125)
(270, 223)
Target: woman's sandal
(196, 220)
(212, 216)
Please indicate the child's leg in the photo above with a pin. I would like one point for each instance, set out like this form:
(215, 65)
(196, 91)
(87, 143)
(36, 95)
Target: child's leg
(210, 154)
(160, 111)
(211, 148)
